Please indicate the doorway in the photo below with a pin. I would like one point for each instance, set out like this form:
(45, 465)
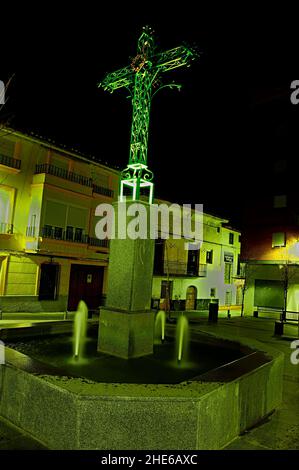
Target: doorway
(86, 283)
(48, 285)
(191, 296)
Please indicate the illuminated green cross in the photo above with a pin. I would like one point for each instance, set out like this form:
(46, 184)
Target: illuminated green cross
(140, 77)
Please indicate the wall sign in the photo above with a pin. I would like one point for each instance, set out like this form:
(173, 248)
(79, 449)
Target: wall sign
(228, 257)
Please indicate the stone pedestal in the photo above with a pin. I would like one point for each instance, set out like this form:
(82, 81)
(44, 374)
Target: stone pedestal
(126, 334)
(126, 322)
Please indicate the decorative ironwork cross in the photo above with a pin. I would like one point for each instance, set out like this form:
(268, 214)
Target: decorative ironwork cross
(140, 77)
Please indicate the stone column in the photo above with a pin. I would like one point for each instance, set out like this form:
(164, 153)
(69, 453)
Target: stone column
(126, 326)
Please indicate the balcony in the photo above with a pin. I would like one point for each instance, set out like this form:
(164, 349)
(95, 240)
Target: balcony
(62, 173)
(6, 229)
(180, 268)
(97, 242)
(101, 190)
(12, 163)
(73, 177)
(70, 235)
(31, 232)
(241, 272)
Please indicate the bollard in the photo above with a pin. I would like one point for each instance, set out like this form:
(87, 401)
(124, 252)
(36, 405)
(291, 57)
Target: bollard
(213, 311)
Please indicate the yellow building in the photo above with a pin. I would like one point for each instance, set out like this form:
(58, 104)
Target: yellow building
(49, 255)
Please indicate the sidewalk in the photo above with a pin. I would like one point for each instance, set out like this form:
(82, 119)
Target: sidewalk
(281, 430)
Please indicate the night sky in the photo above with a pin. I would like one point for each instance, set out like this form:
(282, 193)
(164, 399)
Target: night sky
(212, 143)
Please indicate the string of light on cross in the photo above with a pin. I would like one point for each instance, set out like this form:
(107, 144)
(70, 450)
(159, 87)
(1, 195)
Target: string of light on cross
(140, 77)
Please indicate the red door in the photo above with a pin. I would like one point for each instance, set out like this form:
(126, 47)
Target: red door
(86, 283)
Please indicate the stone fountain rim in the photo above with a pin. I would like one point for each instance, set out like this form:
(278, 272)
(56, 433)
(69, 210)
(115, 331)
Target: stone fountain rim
(83, 388)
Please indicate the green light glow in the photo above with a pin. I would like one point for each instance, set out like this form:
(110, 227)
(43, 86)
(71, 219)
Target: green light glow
(80, 329)
(182, 336)
(140, 77)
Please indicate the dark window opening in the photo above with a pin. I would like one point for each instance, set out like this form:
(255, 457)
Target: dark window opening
(159, 256)
(69, 235)
(209, 257)
(78, 234)
(193, 262)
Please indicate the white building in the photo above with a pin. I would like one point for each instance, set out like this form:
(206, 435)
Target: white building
(196, 276)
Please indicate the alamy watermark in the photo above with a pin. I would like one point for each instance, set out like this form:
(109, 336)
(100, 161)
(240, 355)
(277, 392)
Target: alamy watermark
(2, 92)
(136, 220)
(295, 94)
(2, 353)
(295, 354)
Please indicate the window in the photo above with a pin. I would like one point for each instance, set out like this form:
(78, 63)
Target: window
(58, 233)
(6, 205)
(48, 281)
(278, 239)
(78, 234)
(227, 273)
(231, 238)
(280, 201)
(47, 231)
(159, 256)
(69, 233)
(193, 262)
(238, 266)
(209, 257)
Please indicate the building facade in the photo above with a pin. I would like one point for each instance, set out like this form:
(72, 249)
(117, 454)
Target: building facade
(49, 255)
(194, 276)
(270, 246)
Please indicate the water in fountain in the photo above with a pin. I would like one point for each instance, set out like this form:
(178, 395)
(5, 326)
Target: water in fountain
(80, 329)
(182, 340)
(160, 326)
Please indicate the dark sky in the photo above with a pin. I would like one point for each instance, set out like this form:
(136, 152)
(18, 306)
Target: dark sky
(210, 143)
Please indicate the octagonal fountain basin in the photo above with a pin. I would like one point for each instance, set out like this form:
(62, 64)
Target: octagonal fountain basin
(220, 389)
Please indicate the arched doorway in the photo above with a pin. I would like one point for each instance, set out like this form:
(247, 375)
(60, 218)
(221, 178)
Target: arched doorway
(191, 296)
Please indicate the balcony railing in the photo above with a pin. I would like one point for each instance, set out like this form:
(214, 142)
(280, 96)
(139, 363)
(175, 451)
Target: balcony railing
(62, 173)
(31, 231)
(73, 236)
(180, 268)
(74, 177)
(97, 242)
(101, 190)
(9, 161)
(6, 228)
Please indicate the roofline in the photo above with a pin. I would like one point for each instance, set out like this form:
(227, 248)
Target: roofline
(39, 140)
(233, 229)
(204, 213)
